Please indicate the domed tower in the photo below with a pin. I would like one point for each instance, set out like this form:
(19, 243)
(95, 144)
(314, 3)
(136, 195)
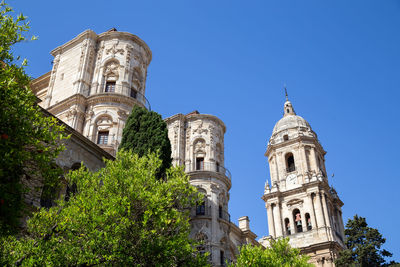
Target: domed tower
(197, 142)
(94, 83)
(300, 203)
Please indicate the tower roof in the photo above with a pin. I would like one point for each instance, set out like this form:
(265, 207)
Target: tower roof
(292, 121)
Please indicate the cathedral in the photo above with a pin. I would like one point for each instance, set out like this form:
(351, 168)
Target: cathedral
(93, 85)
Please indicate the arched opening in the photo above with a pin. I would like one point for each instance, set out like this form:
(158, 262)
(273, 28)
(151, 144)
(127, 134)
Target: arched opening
(290, 166)
(203, 240)
(199, 147)
(104, 125)
(201, 206)
(285, 137)
(308, 220)
(297, 221)
(111, 76)
(287, 226)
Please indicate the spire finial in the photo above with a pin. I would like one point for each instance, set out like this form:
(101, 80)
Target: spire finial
(286, 95)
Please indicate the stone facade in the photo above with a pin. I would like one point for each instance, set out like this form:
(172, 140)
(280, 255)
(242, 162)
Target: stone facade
(197, 142)
(78, 150)
(94, 83)
(300, 203)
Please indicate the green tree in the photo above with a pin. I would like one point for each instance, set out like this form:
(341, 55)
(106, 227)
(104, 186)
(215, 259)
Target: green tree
(121, 215)
(29, 141)
(363, 245)
(278, 254)
(144, 132)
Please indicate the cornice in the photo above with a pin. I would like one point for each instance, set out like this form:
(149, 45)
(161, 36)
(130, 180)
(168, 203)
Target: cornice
(199, 175)
(41, 82)
(67, 103)
(311, 140)
(175, 117)
(194, 116)
(320, 185)
(129, 36)
(82, 140)
(113, 98)
(89, 34)
(79, 38)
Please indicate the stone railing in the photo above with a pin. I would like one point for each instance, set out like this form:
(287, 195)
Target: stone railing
(224, 215)
(209, 166)
(128, 91)
(201, 211)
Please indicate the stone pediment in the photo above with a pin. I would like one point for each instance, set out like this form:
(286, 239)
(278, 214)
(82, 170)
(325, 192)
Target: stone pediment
(294, 202)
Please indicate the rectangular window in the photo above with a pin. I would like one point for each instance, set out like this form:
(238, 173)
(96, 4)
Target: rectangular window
(199, 164)
(110, 87)
(133, 93)
(102, 138)
(220, 212)
(222, 258)
(217, 166)
(201, 208)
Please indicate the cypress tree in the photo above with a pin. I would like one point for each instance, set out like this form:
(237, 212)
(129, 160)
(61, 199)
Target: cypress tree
(146, 132)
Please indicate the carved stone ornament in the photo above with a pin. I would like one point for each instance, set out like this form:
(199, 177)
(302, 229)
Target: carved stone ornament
(113, 50)
(295, 202)
(200, 129)
(199, 146)
(104, 123)
(112, 69)
(215, 187)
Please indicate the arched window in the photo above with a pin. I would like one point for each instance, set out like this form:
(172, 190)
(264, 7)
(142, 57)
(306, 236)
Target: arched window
(202, 239)
(297, 221)
(308, 220)
(111, 76)
(290, 166)
(287, 226)
(104, 125)
(201, 207)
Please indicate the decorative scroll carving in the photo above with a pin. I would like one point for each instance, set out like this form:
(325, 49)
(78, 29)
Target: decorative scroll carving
(112, 68)
(199, 146)
(293, 202)
(113, 50)
(200, 129)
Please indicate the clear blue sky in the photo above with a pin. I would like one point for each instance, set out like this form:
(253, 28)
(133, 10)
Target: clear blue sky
(339, 59)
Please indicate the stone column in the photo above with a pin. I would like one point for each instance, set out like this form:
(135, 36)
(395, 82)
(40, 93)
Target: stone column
(270, 215)
(314, 165)
(319, 211)
(276, 169)
(306, 169)
(277, 220)
(341, 222)
(326, 211)
(281, 167)
(312, 212)
(292, 224)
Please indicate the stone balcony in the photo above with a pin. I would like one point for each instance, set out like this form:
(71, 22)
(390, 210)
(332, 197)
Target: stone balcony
(208, 167)
(126, 91)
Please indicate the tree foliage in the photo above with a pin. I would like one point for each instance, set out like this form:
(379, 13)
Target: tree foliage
(121, 215)
(145, 132)
(278, 254)
(29, 141)
(363, 245)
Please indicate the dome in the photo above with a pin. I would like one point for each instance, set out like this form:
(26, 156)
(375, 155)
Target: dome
(290, 126)
(290, 121)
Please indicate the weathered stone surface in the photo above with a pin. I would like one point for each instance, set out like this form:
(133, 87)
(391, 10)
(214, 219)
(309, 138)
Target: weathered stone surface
(300, 203)
(197, 142)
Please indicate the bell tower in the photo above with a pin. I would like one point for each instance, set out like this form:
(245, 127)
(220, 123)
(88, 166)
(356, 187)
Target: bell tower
(300, 202)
